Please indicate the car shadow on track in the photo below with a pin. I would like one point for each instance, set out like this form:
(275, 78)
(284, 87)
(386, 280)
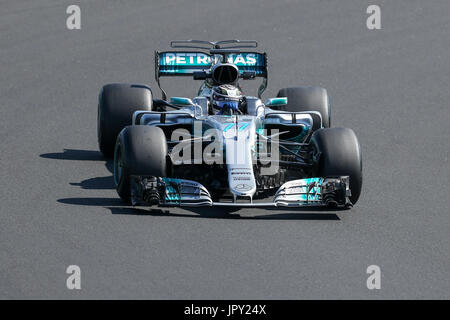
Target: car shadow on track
(75, 154)
(117, 206)
(97, 183)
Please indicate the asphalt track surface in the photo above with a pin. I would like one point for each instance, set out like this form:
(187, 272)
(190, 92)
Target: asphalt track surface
(59, 207)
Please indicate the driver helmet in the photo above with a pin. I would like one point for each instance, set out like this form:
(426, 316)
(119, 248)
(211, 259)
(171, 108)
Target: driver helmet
(226, 99)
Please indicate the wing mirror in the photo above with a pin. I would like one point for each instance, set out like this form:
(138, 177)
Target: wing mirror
(276, 102)
(180, 101)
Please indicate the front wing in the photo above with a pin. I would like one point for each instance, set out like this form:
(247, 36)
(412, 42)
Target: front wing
(326, 191)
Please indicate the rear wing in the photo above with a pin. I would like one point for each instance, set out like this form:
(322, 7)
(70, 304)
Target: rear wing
(186, 63)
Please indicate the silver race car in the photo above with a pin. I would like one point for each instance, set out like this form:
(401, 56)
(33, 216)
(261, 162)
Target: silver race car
(222, 147)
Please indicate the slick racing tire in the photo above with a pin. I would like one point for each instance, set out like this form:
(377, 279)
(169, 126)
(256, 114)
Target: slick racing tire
(340, 155)
(116, 104)
(308, 99)
(139, 150)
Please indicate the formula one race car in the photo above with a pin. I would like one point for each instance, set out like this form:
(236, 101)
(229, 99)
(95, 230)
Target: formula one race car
(224, 148)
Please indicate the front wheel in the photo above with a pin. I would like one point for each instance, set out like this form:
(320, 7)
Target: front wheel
(139, 150)
(339, 155)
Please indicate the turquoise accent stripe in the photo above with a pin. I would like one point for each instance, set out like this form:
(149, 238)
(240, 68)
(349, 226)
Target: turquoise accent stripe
(244, 126)
(172, 194)
(228, 127)
(314, 193)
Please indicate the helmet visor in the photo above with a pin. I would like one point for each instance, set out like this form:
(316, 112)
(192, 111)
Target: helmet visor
(228, 105)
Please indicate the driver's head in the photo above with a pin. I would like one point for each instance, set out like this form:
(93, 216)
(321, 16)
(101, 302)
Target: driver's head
(226, 99)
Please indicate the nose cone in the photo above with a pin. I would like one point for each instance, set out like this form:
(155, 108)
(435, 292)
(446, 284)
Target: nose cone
(238, 139)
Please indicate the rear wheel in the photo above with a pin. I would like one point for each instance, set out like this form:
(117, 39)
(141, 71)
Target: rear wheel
(308, 99)
(340, 155)
(116, 105)
(140, 150)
